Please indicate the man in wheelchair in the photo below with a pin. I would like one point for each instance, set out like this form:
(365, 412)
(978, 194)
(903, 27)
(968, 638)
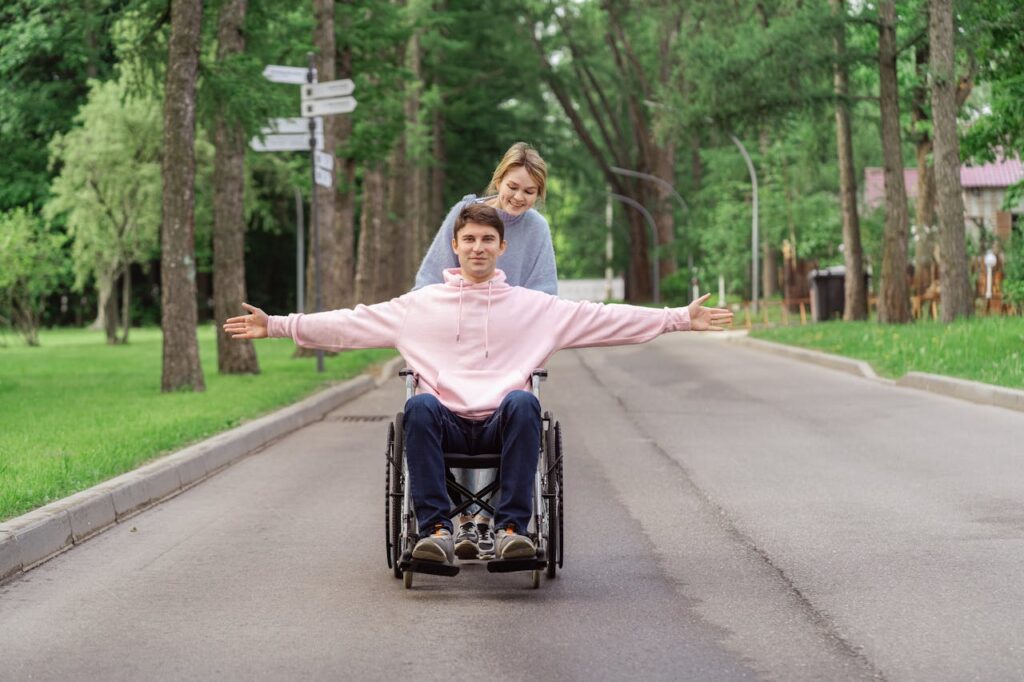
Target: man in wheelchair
(473, 342)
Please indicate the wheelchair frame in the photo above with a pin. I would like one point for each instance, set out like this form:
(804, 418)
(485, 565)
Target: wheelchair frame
(547, 525)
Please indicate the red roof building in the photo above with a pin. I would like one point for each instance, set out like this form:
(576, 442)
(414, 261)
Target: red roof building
(984, 188)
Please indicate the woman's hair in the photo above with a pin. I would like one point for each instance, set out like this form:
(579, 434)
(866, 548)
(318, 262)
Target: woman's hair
(521, 154)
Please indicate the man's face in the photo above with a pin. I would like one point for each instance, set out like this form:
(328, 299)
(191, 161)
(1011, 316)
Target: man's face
(478, 248)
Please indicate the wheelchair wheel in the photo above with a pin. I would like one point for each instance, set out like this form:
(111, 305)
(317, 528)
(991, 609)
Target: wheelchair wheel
(388, 455)
(396, 491)
(553, 492)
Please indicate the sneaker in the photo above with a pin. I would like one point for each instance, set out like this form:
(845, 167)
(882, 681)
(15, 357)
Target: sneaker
(485, 545)
(510, 545)
(438, 546)
(466, 541)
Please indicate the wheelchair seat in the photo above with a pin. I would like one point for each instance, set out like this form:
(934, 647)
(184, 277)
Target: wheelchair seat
(461, 461)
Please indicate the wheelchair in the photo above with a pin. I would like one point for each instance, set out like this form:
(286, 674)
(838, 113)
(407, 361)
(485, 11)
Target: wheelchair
(546, 525)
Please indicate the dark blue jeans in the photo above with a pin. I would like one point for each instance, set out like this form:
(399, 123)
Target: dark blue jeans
(431, 429)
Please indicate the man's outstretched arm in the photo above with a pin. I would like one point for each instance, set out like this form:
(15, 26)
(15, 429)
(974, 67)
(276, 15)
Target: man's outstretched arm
(579, 324)
(251, 326)
(373, 326)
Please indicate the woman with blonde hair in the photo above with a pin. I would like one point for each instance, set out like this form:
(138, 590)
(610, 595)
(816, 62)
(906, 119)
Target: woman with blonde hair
(529, 261)
(518, 182)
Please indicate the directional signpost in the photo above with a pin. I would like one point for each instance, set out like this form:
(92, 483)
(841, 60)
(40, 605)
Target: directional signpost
(307, 133)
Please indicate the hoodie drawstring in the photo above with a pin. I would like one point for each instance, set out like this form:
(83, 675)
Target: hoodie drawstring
(487, 322)
(458, 326)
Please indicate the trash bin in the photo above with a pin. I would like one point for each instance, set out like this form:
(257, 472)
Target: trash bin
(828, 297)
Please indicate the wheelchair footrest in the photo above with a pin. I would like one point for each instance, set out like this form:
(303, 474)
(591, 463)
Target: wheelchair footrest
(511, 565)
(429, 567)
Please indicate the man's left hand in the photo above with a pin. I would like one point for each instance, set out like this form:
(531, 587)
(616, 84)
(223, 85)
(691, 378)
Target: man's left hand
(708, 319)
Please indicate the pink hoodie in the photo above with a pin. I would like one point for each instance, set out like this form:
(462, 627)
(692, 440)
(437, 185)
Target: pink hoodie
(472, 344)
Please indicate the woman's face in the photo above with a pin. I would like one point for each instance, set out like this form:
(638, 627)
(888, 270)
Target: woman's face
(517, 192)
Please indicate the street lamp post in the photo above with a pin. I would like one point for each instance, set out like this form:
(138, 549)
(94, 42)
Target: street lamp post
(654, 239)
(753, 238)
(753, 182)
(661, 182)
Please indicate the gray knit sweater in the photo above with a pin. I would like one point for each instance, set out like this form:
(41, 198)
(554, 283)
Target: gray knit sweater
(528, 262)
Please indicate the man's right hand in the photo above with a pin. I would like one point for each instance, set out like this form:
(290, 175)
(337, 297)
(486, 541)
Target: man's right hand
(252, 326)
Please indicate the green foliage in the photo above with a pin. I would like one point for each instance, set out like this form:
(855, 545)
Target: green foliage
(995, 36)
(31, 265)
(48, 50)
(747, 63)
(1013, 271)
(109, 190)
(78, 412)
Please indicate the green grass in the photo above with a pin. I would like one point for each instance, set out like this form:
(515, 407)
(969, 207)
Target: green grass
(75, 412)
(988, 349)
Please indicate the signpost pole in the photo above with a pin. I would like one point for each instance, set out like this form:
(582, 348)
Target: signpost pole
(313, 214)
(286, 134)
(300, 253)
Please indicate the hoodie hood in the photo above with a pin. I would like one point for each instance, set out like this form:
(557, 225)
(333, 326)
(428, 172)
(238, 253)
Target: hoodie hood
(453, 277)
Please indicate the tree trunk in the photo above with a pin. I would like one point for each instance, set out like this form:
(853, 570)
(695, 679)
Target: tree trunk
(770, 274)
(395, 238)
(345, 200)
(416, 196)
(925, 261)
(390, 240)
(956, 290)
(233, 356)
(333, 283)
(181, 368)
(924, 210)
(435, 200)
(664, 215)
(893, 296)
(855, 293)
(126, 301)
(370, 225)
(106, 318)
(640, 286)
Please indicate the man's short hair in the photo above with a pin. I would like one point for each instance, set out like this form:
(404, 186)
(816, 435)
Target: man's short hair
(481, 214)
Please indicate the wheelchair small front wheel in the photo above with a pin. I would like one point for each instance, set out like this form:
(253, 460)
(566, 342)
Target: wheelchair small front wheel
(407, 579)
(536, 579)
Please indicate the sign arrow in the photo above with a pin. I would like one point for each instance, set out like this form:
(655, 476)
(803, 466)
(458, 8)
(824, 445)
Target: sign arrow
(296, 75)
(338, 88)
(324, 160)
(323, 177)
(291, 125)
(284, 143)
(327, 107)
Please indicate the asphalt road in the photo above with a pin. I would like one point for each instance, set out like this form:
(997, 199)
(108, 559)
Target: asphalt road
(731, 515)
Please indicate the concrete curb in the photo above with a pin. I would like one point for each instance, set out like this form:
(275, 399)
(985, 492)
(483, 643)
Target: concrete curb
(28, 540)
(974, 391)
(855, 367)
